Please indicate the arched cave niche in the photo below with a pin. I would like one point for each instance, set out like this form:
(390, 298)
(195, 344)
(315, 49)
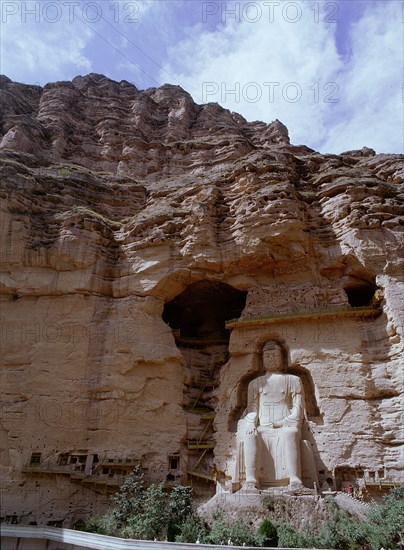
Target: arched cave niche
(310, 401)
(360, 292)
(202, 309)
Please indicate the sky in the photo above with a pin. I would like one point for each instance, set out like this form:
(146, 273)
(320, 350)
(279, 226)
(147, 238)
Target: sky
(331, 71)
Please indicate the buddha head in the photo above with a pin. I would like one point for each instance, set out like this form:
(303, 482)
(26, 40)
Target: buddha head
(273, 357)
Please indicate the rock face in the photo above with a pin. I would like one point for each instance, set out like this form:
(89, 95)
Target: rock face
(135, 226)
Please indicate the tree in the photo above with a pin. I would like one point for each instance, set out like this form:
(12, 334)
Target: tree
(180, 503)
(130, 496)
(151, 519)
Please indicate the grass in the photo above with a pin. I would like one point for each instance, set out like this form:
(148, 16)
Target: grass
(64, 172)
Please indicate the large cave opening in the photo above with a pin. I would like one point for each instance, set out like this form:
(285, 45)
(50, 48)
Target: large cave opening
(202, 309)
(198, 318)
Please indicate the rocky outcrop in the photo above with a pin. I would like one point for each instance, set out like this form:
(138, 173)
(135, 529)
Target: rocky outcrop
(155, 133)
(114, 202)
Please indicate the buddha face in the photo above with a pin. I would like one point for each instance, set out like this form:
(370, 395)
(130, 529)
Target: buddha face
(272, 358)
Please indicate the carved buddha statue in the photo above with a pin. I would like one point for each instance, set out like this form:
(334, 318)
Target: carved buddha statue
(269, 433)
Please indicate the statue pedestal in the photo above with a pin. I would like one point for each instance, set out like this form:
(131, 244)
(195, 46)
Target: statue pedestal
(281, 483)
(280, 487)
(295, 491)
(253, 503)
(250, 498)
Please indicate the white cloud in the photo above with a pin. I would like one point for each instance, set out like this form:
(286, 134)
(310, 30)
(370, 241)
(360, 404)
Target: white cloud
(38, 46)
(344, 104)
(58, 39)
(372, 109)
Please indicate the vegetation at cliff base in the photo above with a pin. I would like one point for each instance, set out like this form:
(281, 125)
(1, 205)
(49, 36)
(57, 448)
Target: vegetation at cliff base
(149, 512)
(343, 531)
(145, 512)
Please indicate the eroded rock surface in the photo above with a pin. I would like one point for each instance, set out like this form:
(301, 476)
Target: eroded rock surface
(114, 202)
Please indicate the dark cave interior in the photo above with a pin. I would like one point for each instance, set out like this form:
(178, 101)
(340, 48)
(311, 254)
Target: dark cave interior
(360, 293)
(202, 309)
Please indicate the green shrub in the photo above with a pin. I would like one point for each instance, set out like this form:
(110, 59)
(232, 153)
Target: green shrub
(386, 521)
(241, 533)
(268, 534)
(103, 525)
(345, 532)
(220, 532)
(288, 537)
(342, 531)
(191, 530)
(64, 172)
(238, 532)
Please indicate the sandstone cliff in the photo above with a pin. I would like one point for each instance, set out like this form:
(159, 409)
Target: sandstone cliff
(127, 214)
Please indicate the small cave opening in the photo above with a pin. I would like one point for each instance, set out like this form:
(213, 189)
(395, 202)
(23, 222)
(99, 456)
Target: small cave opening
(202, 309)
(360, 293)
